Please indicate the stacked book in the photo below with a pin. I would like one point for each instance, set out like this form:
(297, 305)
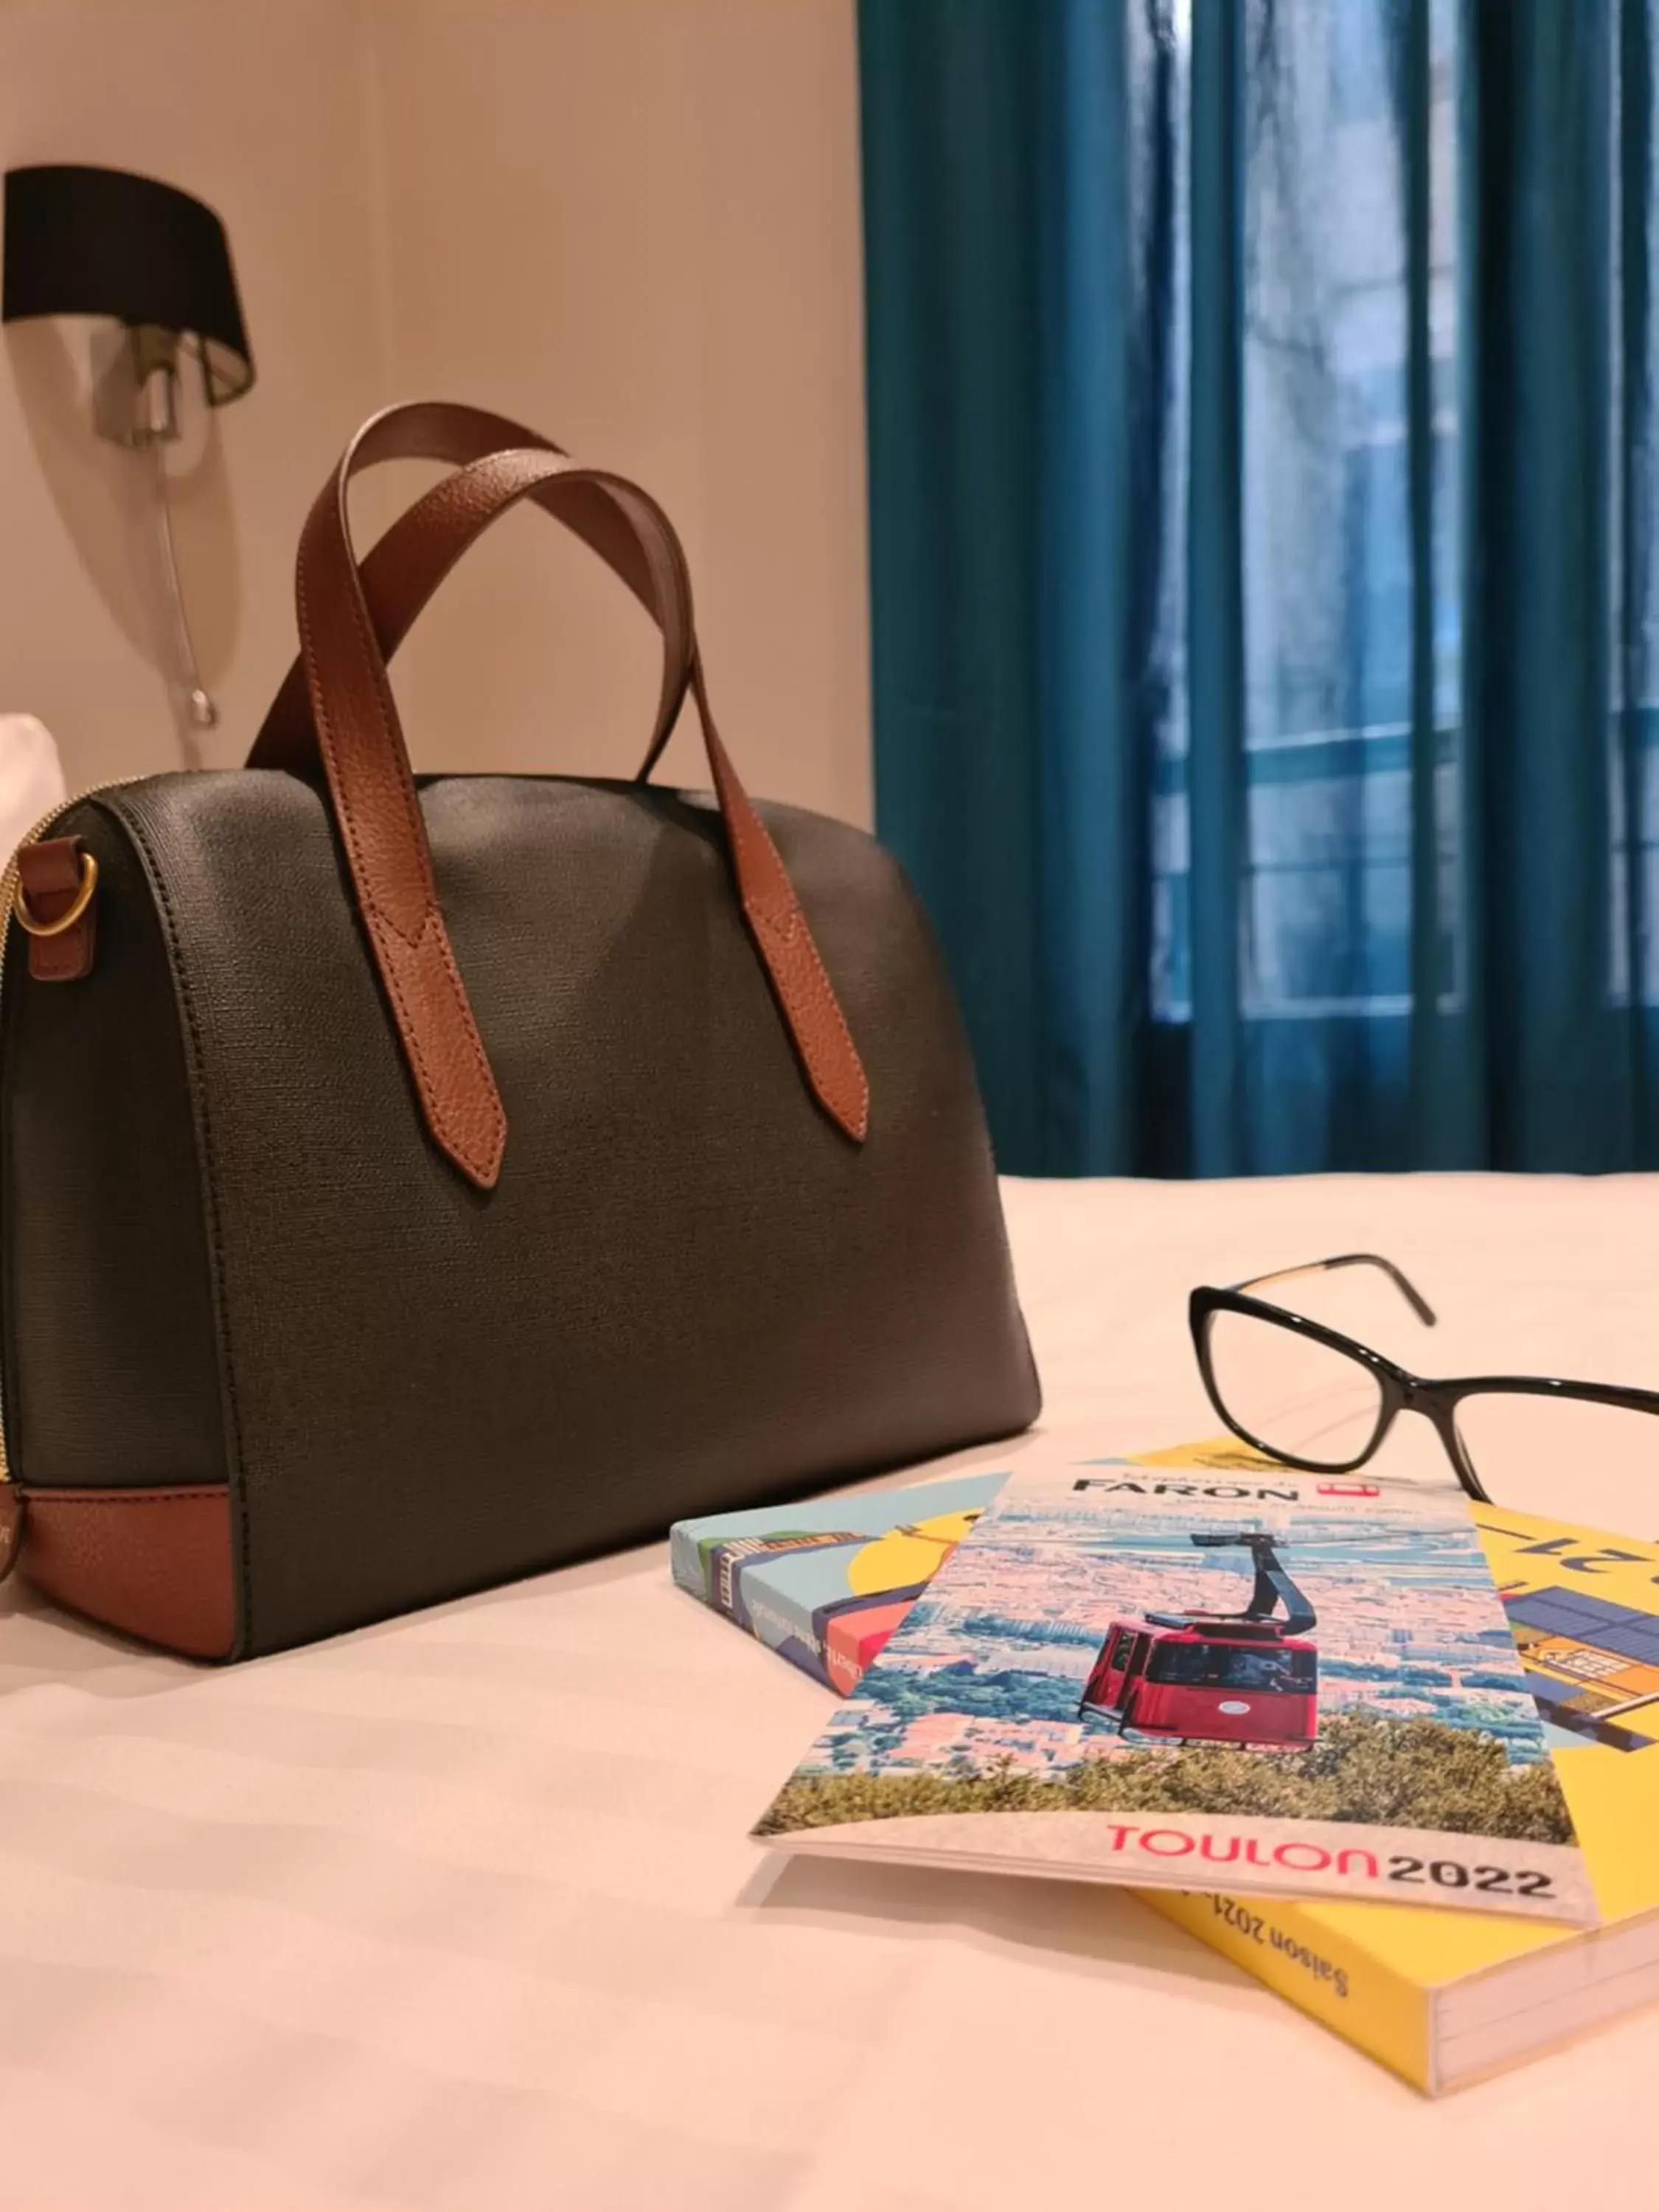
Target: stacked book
(826, 1585)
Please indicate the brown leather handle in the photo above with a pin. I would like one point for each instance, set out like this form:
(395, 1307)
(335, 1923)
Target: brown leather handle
(366, 764)
(407, 565)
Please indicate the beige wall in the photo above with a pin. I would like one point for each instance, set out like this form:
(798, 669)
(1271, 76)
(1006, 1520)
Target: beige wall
(632, 222)
(257, 107)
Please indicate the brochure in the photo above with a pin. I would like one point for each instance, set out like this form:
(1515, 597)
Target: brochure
(1161, 1671)
(1445, 2001)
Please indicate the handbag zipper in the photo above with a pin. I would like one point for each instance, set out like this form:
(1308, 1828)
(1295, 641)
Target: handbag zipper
(9, 879)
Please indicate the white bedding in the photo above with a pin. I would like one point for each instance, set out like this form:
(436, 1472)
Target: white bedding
(460, 1913)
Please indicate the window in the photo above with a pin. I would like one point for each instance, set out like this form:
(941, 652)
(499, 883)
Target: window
(1325, 924)
(1211, 1666)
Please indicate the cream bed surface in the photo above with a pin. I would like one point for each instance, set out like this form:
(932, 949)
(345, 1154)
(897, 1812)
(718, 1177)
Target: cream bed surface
(459, 1914)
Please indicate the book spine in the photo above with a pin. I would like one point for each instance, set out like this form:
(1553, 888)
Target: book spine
(809, 1660)
(785, 1627)
(1328, 1976)
(685, 1562)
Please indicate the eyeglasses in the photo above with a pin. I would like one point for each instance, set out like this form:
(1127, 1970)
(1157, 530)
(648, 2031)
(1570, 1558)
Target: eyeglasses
(1307, 1396)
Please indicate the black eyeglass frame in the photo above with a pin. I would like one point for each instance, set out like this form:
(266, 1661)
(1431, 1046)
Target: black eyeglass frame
(1399, 1391)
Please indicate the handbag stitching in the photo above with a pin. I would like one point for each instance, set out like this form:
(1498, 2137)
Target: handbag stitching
(209, 1182)
(198, 1493)
(409, 1032)
(405, 787)
(743, 823)
(805, 1002)
(481, 1163)
(488, 1162)
(330, 748)
(823, 974)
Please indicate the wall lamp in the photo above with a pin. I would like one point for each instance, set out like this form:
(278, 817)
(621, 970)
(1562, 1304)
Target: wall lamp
(155, 263)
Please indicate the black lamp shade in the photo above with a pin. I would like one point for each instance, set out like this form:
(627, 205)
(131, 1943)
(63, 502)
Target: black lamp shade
(86, 241)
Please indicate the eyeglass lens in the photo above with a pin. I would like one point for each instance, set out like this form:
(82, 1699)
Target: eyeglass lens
(1567, 1458)
(1291, 1394)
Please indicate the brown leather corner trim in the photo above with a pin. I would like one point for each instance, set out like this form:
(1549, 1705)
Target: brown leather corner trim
(50, 872)
(155, 1563)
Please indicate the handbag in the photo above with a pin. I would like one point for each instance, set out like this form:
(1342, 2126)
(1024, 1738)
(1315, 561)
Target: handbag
(407, 1185)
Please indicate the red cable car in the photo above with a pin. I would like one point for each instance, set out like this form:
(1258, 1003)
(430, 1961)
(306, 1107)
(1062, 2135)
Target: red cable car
(1215, 1677)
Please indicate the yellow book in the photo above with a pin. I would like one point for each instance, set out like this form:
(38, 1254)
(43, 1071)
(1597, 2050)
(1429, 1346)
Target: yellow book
(1445, 1997)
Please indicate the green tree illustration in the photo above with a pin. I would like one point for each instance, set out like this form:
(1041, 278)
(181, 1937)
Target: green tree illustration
(1365, 1767)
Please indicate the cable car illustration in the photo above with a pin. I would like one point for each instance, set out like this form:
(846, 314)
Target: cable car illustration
(1247, 1677)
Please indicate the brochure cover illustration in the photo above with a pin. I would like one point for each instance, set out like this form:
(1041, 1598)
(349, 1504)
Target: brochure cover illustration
(1164, 1672)
(826, 1585)
(1443, 1999)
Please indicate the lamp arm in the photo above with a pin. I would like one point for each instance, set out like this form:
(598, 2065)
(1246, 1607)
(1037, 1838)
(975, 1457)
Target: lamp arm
(203, 714)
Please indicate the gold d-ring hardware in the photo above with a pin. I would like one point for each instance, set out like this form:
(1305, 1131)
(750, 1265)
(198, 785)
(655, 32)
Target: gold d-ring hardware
(67, 920)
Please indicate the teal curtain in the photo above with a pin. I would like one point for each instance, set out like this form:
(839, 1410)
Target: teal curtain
(1262, 477)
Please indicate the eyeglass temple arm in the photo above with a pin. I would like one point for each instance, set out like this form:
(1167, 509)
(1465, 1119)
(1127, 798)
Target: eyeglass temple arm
(1413, 1298)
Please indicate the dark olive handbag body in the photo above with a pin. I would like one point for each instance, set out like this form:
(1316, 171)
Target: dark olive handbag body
(406, 1188)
